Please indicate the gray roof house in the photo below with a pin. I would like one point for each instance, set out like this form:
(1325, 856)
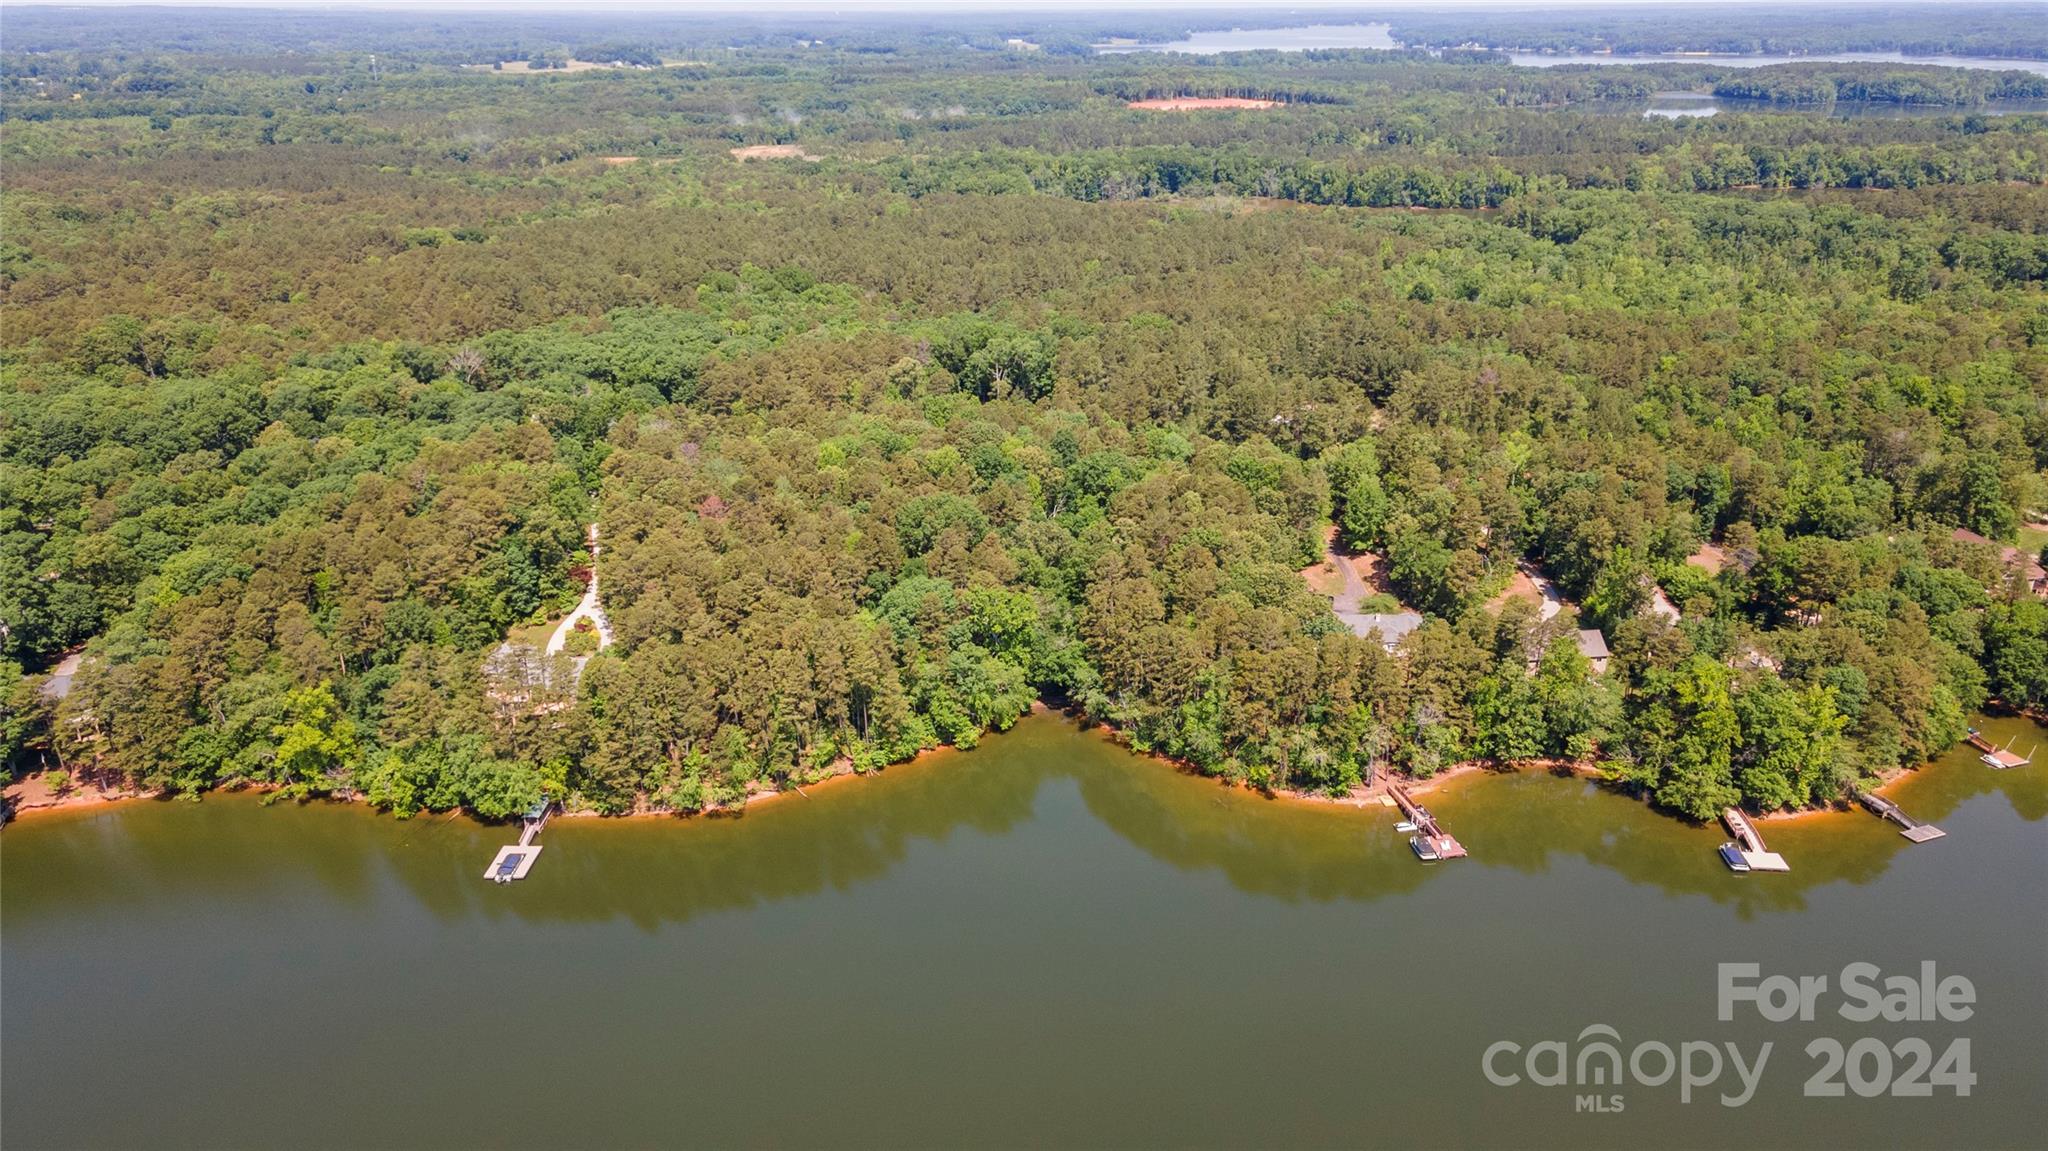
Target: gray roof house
(1393, 627)
(1593, 646)
(1589, 641)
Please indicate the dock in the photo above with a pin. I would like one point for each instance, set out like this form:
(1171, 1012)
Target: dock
(513, 861)
(1996, 756)
(1431, 842)
(1913, 829)
(1749, 844)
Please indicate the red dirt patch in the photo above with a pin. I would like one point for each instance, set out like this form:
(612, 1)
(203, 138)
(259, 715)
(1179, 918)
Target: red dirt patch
(1324, 579)
(1367, 565)
(1521, 587)
(1197, 103)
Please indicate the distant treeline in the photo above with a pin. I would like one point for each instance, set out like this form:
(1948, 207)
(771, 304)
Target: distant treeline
(2011, 30)
(1702, 166)
(1828, 83)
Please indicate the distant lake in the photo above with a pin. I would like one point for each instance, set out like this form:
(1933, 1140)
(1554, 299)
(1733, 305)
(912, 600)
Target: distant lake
(1688, 105)
(1300, 39)
(1314, 36)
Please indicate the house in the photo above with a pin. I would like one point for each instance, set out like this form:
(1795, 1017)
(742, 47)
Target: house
(1593, 646)
(2015, 560)
(1660, 605)
(1393, 627)
(1589, 641)
(1753, 658)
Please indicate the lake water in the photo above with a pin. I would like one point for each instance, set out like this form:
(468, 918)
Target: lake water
(1299, 39)
(1687, 105)
(1047, 940)
(1311, 36)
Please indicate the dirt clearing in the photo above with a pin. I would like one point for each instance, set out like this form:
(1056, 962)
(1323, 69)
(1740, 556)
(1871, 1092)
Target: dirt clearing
(1198, 103)
(773, 152)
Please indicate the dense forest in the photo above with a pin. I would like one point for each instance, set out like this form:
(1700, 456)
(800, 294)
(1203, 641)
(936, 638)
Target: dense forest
(982, 388)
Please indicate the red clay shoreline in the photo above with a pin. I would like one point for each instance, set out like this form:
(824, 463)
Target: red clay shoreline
(1364, 795)
(94, 799)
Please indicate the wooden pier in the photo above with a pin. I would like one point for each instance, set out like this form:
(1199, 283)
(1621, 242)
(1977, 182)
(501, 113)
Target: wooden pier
(515, 860)
(1750, 843)
(1996, 756)
(1884, 808)
(1431, 842)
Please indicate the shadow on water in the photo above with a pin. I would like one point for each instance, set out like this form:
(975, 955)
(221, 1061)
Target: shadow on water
(854, 832)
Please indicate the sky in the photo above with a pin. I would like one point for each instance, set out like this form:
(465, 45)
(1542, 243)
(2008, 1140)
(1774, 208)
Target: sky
(856, 6)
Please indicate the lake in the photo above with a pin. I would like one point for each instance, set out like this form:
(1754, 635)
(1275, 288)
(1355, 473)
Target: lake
(1314, 36)
(1302, 39)
(1046, 940)
(1687, 105)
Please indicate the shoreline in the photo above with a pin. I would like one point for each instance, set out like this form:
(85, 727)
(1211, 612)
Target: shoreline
(1372, 794)
(79, 801)
(28, 798)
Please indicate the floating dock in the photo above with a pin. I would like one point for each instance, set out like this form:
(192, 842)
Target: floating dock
(1996, 756)
(512, 862)
(515, 860)
(1431, 842)
(1749, 845)
(1913, 829)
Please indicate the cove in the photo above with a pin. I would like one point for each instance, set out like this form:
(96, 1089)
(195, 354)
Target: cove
(1047, 940)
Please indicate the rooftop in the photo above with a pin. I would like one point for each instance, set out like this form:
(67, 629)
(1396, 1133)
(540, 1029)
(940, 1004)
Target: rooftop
(1392, 626)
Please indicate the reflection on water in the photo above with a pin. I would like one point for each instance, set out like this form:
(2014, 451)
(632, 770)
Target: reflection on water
(854, 831)
(1047, 940)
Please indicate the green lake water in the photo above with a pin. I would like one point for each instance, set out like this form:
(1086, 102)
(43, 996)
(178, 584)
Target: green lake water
(1044, 941)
